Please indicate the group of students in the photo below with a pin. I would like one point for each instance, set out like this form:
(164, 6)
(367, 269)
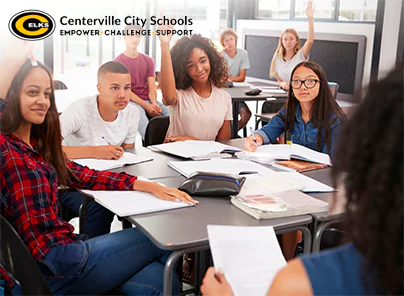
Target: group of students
(34, 163)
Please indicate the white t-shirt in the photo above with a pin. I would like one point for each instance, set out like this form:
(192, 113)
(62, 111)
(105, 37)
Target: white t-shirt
(239, 62)
(199, 117)
(284, 68)
(82, 125)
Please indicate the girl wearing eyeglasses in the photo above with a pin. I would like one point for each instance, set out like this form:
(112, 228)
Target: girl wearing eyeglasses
(289, 54)
(311, 118)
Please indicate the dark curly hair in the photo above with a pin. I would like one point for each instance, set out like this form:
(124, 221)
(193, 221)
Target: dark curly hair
(180, 53)
(323, 108)
(369, 159)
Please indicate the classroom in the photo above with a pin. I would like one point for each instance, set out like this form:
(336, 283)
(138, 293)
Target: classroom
(217, 147)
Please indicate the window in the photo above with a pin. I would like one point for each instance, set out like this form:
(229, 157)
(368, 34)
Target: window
(274, 9)
(333, 10)
(364, 10)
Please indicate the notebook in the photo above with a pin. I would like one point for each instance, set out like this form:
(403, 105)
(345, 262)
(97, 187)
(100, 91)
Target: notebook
(223, 166)
(268, 153)
(250, 257)
(103, 164)
(300, 165)
(128, 203)
(196, 150)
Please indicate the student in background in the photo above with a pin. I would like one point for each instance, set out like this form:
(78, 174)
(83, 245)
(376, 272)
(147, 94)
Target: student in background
(100, 126)
(32, 168)
(191, 78)
(141, 68)
(289, 54)
(238, 63)
(371, 169)
(311, 118)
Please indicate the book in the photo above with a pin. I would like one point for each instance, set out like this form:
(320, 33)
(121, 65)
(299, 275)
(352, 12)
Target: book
(270, 153)
(196, 150)
(276, 205)
(221, 166)
(104, 164)
(128, 203)
(249, 257)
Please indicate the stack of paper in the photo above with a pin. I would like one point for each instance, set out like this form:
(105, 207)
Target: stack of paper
(103, 164)
(268, 153)
(250, 257)
(221, 166)
(128, 203)
(196, 150)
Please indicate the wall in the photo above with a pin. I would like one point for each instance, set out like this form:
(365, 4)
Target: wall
(320, 27)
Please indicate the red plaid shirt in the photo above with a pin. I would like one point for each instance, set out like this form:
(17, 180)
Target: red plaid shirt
(28, 194)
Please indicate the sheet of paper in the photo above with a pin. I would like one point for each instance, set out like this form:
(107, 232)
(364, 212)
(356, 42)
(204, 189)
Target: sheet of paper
(189, 149)
(241, 84)
(303, 153)
(250, 257)
(127, 203)
(270, 183)
(273, 91)
(278, 151)
(103, 164)
(216, 165)
(308, 184)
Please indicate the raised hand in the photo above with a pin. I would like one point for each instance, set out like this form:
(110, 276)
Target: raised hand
(310, 10)
(167, 31)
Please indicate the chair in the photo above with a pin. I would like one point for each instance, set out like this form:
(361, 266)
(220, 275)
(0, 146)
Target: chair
(18, 262)
(333, 88)
(59, 84)
(156, 130)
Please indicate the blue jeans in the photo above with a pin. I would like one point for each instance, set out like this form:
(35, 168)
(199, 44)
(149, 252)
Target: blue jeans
(144, 121)
(98, 219)
(125, 261)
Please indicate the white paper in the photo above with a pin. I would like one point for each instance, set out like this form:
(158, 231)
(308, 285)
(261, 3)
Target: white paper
(304, 153)
(242, 84)
(250, 257)
(278, 151)
(128, 203)
(221, 166)
(273, 91)
(308, 184)
(189, 149)
(104, 164)
(271, 183)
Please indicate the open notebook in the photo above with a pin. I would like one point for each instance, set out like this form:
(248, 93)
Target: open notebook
(222, 166)
(128, 203)
(196, 150)
(268, 153)
(250, 257)
(103, 164)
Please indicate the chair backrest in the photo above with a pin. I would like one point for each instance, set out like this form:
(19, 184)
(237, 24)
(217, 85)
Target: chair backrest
(156, 130)
(333, 88)
(59, 84)
(18, 262)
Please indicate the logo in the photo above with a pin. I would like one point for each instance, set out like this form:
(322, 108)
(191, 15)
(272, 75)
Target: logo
(32, 25)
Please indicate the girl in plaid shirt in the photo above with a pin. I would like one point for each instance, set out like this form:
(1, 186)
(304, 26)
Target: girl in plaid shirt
(33, 166)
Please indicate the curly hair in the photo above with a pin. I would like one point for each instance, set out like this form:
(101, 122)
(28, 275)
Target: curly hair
(369, 158)
(180, 53)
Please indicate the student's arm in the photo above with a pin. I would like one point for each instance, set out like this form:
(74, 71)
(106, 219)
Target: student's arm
(291, 280)
(224, 132)
(273, 129)
(151, 85)
(146, 106)
(240, 77)
(167, 80)
(99, 152)
(14, 55)
(125, 146)
(283, 84)
(310, 36)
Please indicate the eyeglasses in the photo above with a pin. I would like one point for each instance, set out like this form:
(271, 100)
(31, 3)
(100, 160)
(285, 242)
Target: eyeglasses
(308, 83)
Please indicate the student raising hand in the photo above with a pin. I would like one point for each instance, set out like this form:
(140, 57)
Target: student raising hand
(166, 30)
(310, 10)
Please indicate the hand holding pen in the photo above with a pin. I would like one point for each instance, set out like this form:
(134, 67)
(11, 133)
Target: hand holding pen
(252, 142)
(109, 151)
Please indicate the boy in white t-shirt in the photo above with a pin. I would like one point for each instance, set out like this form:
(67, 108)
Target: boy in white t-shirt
(99, 127)
(102, 125)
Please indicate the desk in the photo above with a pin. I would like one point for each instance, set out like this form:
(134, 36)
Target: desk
(185, 230)
(238, 95)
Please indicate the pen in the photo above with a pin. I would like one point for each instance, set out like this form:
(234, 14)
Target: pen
(33, 60)
(252, 135)
(106, 140)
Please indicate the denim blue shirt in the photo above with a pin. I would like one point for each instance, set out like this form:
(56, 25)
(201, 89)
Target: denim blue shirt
(302, 134)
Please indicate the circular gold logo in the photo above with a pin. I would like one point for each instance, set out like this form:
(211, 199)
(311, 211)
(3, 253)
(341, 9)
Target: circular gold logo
(32, 25)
